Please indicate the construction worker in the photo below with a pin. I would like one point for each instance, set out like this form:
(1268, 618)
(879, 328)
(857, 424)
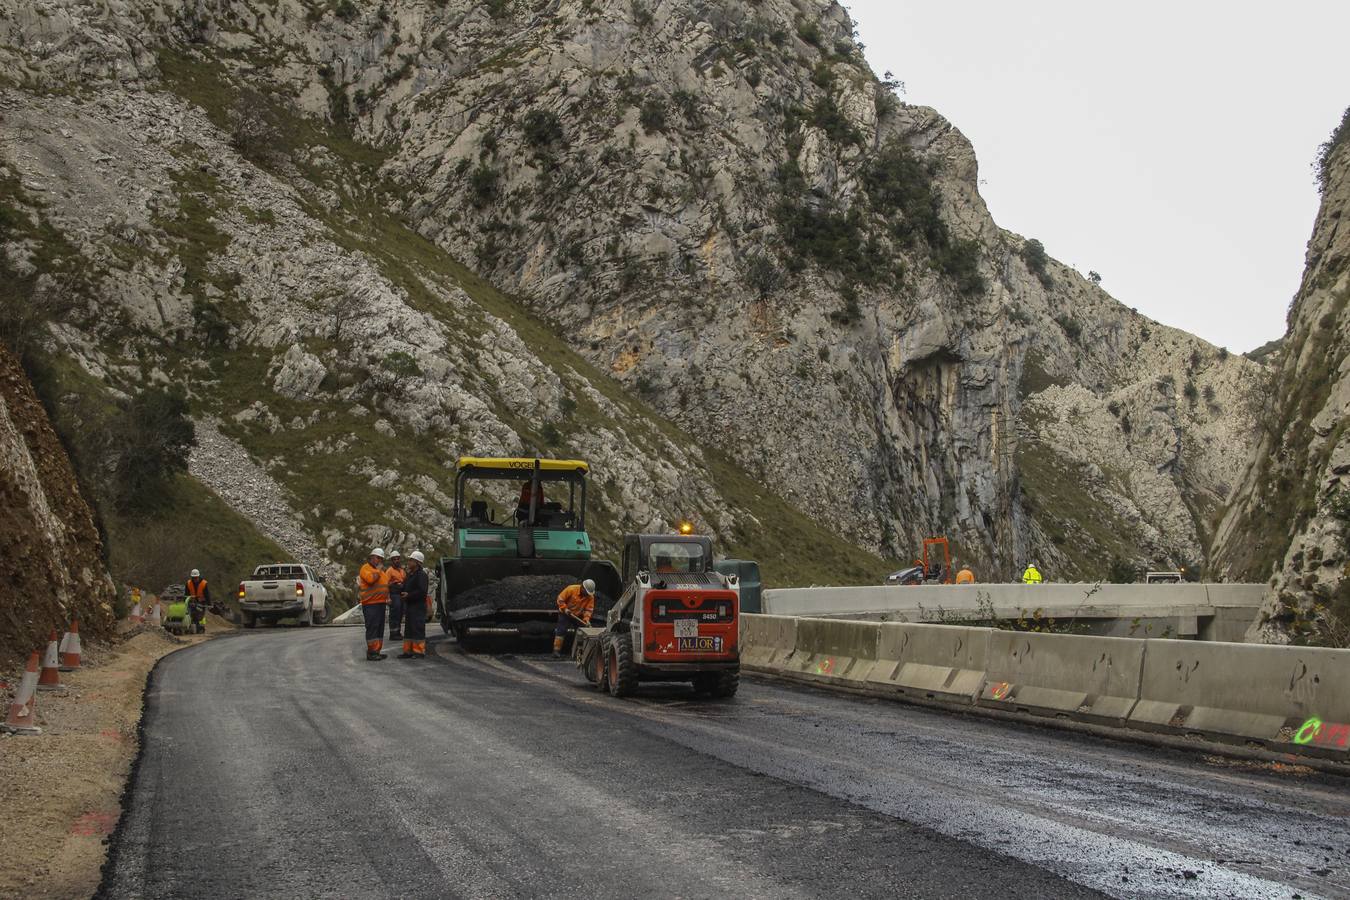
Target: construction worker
(1031, 575)
(523, 507)
(415, 598)
(373, 588)
(198, 597)
(576, 603)
(965, 576)
(395, 574)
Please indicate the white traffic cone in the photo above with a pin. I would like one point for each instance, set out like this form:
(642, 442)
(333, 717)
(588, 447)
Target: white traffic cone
(22, 718)
(156, 619)
(50, 678)
(136, 614)
(70, 648)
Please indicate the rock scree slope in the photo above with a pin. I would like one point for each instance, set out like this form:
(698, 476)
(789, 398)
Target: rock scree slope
(733, 258)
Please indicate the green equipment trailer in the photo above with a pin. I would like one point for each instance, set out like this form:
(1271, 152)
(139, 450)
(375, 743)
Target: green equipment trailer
(511, 561)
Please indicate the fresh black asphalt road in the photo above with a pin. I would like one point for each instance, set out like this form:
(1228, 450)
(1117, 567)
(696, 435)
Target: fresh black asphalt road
(282, 764)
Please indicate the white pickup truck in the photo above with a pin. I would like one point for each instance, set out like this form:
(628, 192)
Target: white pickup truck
(283, 591)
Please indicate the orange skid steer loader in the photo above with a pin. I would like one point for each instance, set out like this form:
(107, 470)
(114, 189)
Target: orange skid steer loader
(678, 619)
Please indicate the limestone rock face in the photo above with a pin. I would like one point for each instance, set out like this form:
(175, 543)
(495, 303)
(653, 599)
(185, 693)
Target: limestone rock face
(1290, 518)
(718, 206)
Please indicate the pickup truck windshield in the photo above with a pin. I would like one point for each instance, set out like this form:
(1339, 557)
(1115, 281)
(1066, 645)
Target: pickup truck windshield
(264, 572)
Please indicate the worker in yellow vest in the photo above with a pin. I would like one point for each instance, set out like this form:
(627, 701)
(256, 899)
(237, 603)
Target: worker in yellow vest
(1031, 575)
(373, 588)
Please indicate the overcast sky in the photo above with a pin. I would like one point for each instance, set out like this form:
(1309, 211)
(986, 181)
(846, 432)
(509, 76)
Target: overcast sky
(1167, 145)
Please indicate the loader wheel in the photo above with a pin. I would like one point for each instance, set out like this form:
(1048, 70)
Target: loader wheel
(622, 671)
(595, 666)
(726, 684)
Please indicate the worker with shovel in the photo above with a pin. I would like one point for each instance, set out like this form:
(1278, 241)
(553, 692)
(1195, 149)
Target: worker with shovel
(575, 604)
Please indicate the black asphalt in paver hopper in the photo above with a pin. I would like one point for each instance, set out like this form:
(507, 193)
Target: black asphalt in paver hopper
(517, 595)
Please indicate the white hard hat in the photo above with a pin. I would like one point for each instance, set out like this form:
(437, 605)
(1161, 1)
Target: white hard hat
(417, 555)
(394, 554)
(588, 586)
(195, 574)
(378, 551)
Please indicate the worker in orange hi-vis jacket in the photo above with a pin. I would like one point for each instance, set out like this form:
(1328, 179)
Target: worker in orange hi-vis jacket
(576, 603)
(373, 588)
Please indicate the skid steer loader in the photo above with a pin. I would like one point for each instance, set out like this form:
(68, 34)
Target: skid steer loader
(677, 620)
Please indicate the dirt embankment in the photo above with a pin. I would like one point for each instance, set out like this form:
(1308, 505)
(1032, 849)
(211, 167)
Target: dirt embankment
(51, 557)
(61, 791)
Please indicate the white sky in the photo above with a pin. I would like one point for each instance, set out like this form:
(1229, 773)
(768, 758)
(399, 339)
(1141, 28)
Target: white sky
(1167, 145)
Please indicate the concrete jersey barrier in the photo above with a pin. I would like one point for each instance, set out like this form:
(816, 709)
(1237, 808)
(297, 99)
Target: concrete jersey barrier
(834, 649)
(1246, 690)
(767, 640)
(1289, 698)
(1079, 676)
(931, 662)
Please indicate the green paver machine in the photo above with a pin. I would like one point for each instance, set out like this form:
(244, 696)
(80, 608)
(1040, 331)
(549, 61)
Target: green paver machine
(511, 563)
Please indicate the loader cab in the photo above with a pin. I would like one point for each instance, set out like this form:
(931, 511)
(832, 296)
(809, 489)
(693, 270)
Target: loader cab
(666, 555)
(519, 508)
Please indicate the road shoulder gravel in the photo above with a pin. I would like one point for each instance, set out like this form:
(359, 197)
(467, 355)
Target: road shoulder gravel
(61, 791)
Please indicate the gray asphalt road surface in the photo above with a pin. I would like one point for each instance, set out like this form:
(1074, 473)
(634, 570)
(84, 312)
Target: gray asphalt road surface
(283, 764)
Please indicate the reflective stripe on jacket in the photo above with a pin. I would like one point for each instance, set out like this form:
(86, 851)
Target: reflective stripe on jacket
(1031, 576)
(373, 585)
(196, 590)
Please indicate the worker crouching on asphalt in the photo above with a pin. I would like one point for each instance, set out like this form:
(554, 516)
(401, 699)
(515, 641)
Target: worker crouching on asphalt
(1031, 575)
(373, 588)
(198, 599)
(415, 608)
(396, 575)
(576, 603)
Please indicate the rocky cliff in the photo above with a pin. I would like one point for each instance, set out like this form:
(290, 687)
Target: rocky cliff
(1290, 519)
(713, 214)
(50, 552)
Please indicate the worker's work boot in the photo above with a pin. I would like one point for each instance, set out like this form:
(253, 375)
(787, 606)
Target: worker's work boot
(557, 647)
(406, 655)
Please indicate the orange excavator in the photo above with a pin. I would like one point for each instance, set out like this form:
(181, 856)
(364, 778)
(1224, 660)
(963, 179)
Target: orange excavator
(932, 569)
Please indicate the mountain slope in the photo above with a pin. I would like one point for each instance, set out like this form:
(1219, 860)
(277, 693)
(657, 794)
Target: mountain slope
(1290, 519)
(319, 336)
(717, 217)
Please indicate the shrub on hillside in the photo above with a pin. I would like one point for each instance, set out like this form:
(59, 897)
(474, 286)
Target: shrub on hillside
(542, 129)
(1322, 164)
(1034, 255)
(149, 439)
(652, 115)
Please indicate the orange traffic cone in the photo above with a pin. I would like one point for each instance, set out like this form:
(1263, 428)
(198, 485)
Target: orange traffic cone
(50, 679)
(70, 648)
(22, 718)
